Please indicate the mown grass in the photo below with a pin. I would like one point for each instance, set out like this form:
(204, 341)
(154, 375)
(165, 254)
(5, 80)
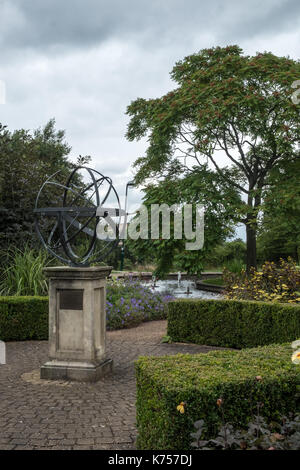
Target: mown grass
(216, 281)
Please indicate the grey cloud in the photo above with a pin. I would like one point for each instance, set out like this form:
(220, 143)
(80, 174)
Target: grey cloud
(257, 18)
(57, 24)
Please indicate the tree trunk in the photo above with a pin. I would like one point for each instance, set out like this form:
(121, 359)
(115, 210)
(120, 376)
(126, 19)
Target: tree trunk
(251, 247)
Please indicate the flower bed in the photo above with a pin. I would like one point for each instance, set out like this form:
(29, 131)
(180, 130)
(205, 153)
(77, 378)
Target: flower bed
(129, 303)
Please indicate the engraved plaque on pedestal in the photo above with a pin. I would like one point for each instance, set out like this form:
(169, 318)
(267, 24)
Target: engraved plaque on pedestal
(71, 299)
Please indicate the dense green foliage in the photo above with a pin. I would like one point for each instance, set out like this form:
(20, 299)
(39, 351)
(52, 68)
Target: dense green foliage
(225, 104)
(23, 318)
(231, 254)
(26, 160)
(23, 274)
(259, 435)
(198, 381)
(279, 233)
(231, 323)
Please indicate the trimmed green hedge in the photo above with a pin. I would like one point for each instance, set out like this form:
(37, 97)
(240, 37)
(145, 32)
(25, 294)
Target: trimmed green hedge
(23, 318)
(199, 380)
(232, 323)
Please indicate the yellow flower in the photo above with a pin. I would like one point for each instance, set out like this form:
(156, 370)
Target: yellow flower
(296, 357)
(180, 407)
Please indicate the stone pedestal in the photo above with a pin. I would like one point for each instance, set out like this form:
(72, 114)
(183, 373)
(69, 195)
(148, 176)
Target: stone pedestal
(77, 324)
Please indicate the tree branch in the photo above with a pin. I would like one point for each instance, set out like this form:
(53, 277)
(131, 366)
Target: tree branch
(247, 168)
(221, 174)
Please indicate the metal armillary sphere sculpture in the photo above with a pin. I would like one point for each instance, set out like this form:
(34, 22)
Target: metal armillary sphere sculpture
(81, 224)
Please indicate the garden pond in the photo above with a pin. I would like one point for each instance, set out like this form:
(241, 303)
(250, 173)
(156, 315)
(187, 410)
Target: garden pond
(180, 289)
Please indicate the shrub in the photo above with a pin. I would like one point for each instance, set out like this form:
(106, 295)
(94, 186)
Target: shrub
(236, 266)
(226, 253)
(23, 318)
(232, 323)
(273, 283)
(129, 303)
(175, 391)
(284, 435)
(24, 275)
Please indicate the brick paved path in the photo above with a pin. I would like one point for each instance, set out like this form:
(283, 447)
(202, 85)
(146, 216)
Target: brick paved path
(39, 414)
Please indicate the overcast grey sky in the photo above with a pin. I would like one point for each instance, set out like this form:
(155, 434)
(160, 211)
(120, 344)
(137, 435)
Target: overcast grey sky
(84, 61)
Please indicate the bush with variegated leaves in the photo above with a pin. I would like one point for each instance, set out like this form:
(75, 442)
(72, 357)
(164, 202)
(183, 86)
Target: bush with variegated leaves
(273, 283)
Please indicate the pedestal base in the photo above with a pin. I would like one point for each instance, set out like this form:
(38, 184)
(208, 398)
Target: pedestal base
(80, 372)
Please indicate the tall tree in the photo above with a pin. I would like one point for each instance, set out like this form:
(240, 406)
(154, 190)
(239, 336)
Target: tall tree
(26, 160)
(231, 110)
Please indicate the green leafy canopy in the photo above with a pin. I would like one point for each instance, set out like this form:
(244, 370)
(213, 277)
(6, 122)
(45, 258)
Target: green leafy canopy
(230, 113)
